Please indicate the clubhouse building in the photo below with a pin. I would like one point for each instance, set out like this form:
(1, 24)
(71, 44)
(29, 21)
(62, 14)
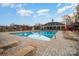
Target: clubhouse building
(50, 26)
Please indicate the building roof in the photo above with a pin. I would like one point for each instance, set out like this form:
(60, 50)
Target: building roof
(54, 23)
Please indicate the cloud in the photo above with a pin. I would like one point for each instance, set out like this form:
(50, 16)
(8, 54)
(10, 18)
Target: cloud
(58, 5)
(24, 12)
(71, 14)
(61, 10)
(7, 5)
(11, 5)
(43, 12)
(34, 14)
(64, 8)
(19, 6)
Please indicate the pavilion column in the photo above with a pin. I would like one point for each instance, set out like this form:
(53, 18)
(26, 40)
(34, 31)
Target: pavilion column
(60, 27)
(33, 28)
(56, 27)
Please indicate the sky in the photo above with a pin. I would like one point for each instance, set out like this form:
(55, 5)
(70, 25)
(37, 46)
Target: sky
(34, 13)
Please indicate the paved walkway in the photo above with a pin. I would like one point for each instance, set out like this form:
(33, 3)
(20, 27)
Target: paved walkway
(56, 47)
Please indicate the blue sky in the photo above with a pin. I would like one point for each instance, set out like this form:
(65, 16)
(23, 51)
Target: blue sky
(33, 13)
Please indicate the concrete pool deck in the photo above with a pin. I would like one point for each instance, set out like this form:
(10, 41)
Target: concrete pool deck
(55, 47)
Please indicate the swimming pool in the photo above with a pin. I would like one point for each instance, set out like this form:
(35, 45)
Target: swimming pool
(44, 35)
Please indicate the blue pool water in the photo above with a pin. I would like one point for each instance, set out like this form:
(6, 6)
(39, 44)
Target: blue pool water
(48, 34)
(25, 34)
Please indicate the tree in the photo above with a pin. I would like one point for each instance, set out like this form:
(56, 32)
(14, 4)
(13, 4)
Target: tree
(77, 14)
(67, 19)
